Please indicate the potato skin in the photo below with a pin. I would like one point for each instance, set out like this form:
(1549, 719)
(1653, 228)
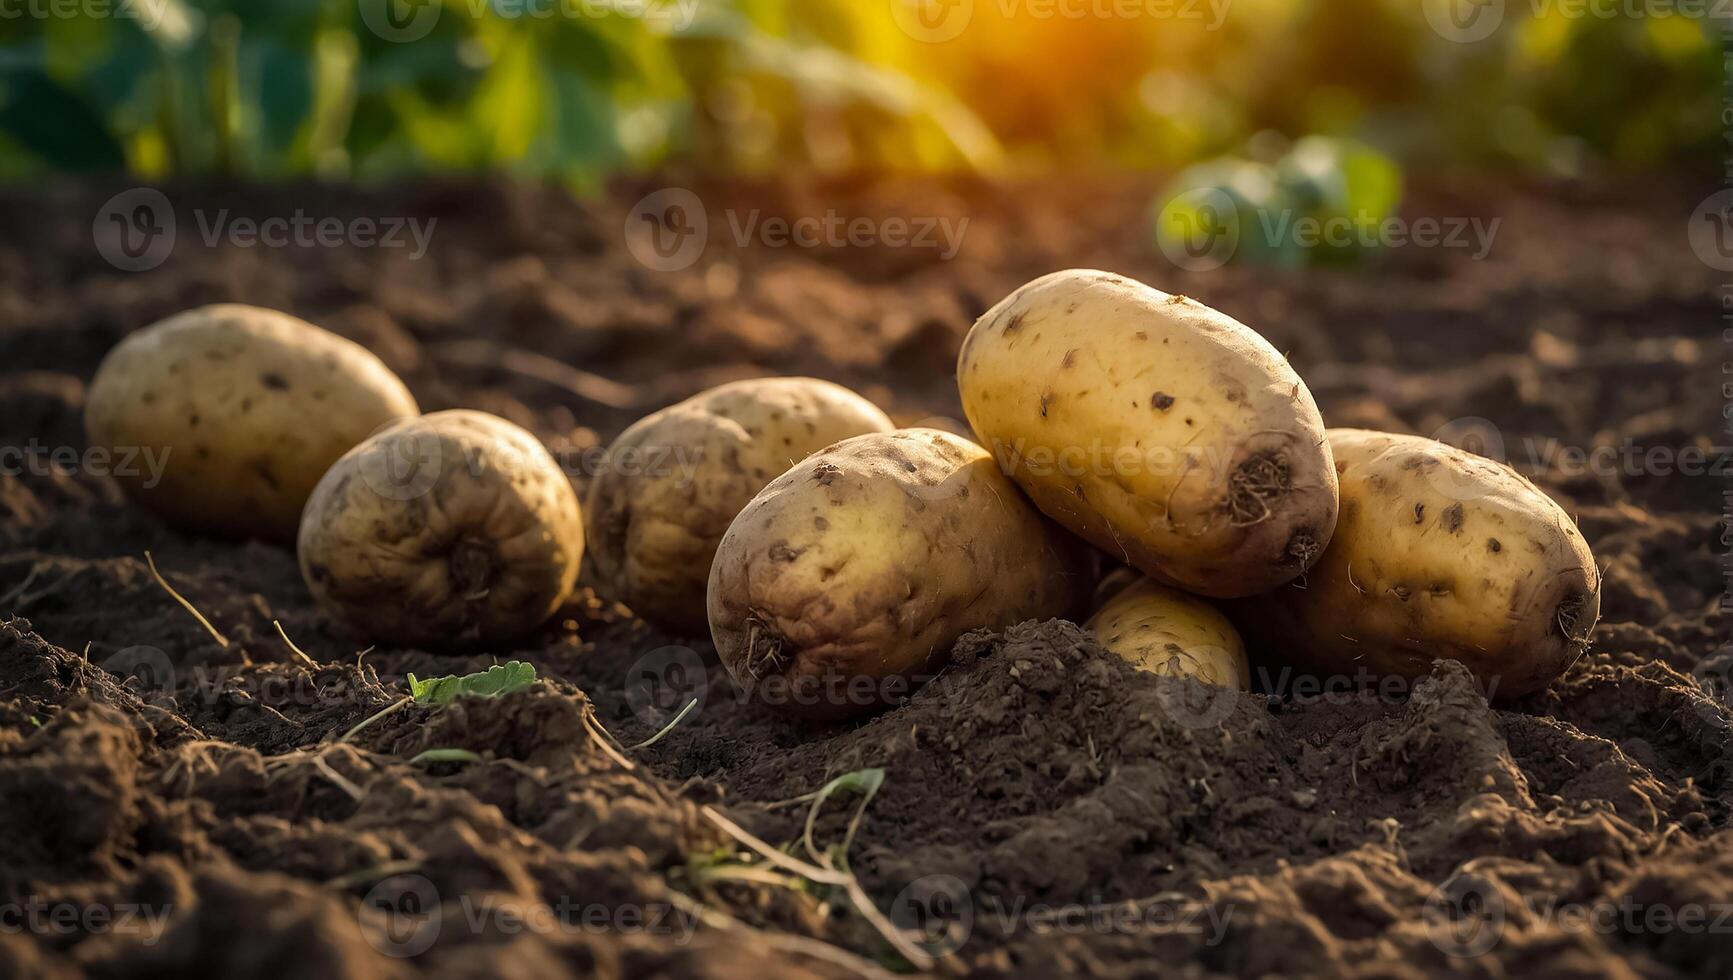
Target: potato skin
(869, 559)
(453, 528)
(251, 405)
(1439, 553)
(1167, 632)
(675, 480)
(1158, 429)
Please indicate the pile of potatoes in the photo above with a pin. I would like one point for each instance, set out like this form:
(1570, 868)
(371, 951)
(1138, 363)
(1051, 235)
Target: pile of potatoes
(835, 559)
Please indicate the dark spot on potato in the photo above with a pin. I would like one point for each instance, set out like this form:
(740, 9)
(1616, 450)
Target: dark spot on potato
(1046, 397)
(193, 420)
(274, 381)
(1162, 401)
(1453, 518)
(1015, 321)
(780, 551)
(821, 523)
(825, 473)
(1493, 546)
(246, 404)
(1188, 420)
(1419, 512)
(1141, 335)
(1070, 358)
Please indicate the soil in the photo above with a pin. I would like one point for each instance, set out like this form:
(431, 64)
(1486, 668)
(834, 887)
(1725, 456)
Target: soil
(171, 806)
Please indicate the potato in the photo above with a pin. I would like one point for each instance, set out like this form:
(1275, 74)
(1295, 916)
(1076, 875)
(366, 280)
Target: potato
(1167, 632)
(851, 575)
(250, 406)
(1160, 430)
(1439, 554)
(452, 528)
(674, 480)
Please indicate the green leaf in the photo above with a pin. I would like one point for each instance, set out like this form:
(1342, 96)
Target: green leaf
(514, 675)
(445, 755)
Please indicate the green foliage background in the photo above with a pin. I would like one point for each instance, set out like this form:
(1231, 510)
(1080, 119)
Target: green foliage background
(284, 88)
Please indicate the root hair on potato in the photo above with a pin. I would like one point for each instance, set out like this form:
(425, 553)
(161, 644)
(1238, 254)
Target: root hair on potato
(1255, 486)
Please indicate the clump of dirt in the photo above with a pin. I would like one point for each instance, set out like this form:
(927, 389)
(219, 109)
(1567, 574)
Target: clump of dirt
(1044, 809)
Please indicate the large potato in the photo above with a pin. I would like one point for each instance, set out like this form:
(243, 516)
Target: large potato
(674, 481)
(250, 406)
(1165, 631)
(856, 571)
(1162, 431)
(1439, 553)
(451, 528)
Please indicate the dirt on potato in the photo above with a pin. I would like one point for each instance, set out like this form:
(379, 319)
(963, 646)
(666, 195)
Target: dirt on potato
(174, 806)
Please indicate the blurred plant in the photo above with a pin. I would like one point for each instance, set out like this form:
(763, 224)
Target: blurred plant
(1271, 212)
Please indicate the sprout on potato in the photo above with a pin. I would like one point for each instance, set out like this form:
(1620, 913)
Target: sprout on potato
(457, 526)
(1439, 553)
(674, 481)
(1167, 632)
(1161, 431)
(862, 565)
(249, 407)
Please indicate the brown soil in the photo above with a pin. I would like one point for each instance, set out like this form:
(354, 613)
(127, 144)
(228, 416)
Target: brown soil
(1044, 811)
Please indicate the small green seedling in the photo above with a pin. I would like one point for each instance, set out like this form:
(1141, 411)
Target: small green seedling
(513, 675)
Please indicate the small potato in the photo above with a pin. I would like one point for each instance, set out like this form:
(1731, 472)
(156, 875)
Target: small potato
(856, 571)
(675, 480)
(248, 408)
(1168, 632)
(1161, 431)
(451, 528)
(1439, 553)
